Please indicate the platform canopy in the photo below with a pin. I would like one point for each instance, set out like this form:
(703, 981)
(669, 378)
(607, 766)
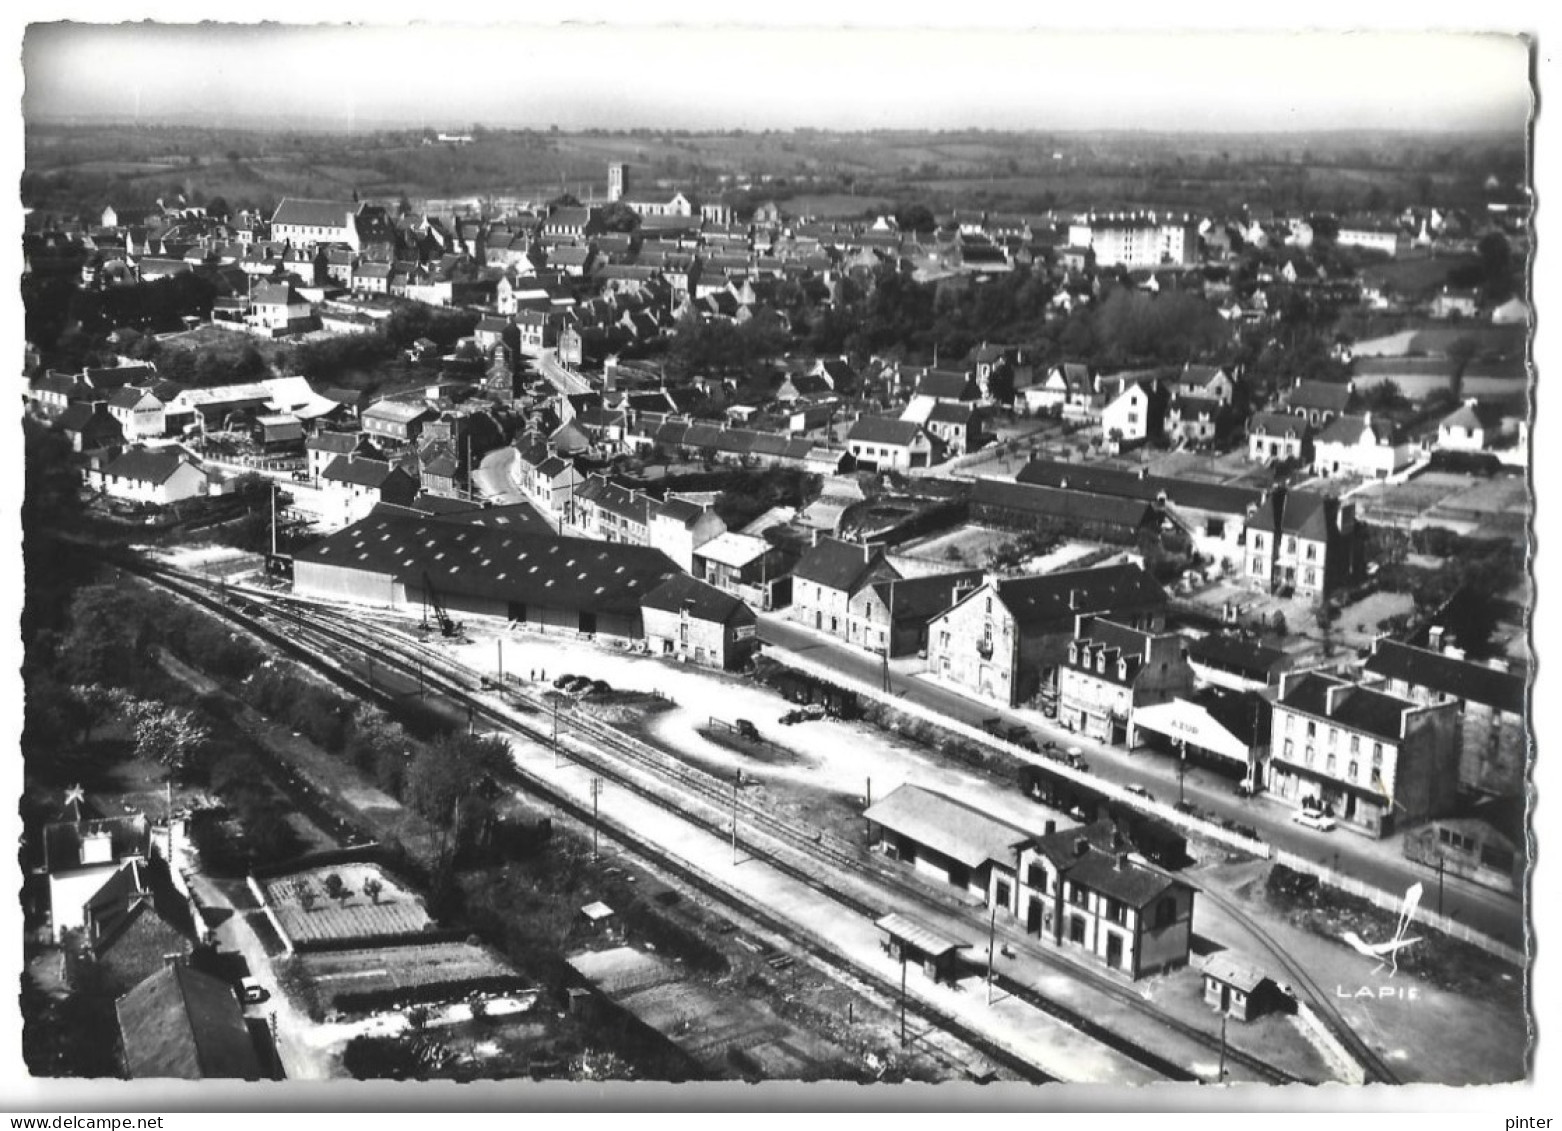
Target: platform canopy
(1183, 721)
(930, 942)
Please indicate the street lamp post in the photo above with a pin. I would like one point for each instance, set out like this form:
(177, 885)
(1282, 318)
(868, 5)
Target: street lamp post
(1182, 769)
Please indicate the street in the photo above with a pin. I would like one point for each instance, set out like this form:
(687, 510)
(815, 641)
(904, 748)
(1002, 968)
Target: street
(1379, 863)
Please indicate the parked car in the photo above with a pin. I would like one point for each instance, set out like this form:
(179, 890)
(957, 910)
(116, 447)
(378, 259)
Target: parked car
(1312, 819)
(252, 992)
(1140, 791)
(300, 477)
(563, 680)
(577, 684)
(747, 730)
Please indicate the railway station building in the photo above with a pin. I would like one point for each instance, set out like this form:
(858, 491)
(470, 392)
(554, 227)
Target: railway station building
(1081, 888)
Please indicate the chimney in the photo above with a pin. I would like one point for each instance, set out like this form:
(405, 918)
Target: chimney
(1434, 638)
(1050, 827)
(1081, 846)
(97, 847)
(1076, 598)
(1334, 695)
(1122, 861)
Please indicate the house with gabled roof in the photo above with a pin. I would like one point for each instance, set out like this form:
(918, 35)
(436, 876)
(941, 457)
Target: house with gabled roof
(324, 447)
(957, 428)
(826, 578)
(1319, 402)
(182, 1024)
(700, 624)
(305, 223)
(1369, 446)
(354, 486)
(134, 925)
(1305, 542)
(1493, 730)
(1278, 436)
(1475, 426)
(1111, 671)
(80, 856)
(139, 411)
(885, 444)
(143, 475)
(894, 614)
(89, 426)
(1005, 640)
(1204, 382)
(396, 421)
(1368, 758)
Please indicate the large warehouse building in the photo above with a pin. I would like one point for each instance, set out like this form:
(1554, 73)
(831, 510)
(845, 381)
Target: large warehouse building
(543, 581)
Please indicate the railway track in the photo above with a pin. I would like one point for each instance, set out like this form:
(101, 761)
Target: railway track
(817, 848)
(886, 989)
(1377, 1069)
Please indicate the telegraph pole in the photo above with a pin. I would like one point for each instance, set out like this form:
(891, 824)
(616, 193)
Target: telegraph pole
(596, 790)
(902, 996)
(992, 939)
(1439, 883)
(555, 733)
(735, 785)
(1182, 769)
(499, 644)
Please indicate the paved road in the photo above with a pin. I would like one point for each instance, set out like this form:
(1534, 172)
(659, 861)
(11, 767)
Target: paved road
(1378, 863)
(564, 379)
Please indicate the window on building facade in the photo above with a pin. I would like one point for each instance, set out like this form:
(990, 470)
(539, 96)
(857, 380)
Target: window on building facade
(1289, 748)
(1312, 729)
(1377, 753)
(1355, 771)
(1329, 765)
(1311, 754)
(1290, 724)
(1355, 743)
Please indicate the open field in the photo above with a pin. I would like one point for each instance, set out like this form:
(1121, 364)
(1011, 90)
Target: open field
(808, 171)
(395, 911)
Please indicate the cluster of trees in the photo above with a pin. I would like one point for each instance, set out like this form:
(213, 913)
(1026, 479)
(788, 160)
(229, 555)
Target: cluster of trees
(1469, 581)
(721, 347)
(351, 359)
(68, 323)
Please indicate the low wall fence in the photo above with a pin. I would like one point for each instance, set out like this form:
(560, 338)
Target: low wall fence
(1389, 901)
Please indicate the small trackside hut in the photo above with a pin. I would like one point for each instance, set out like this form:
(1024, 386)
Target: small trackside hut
(905, 940)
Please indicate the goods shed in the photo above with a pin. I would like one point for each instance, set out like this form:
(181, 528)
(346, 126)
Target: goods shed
(538, 581)
(950, 841)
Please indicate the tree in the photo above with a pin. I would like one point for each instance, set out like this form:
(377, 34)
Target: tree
(172, 736)
(217, 208)
(337, 888)
(372, 888)
(307, 898)
(915, 218)
(565, 200)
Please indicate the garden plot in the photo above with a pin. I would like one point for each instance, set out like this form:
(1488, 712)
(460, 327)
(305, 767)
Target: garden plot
(377, 969)
(309, 907)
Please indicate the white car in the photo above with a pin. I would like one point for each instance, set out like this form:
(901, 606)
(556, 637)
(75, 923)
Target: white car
(1314, 820)
(252, 992)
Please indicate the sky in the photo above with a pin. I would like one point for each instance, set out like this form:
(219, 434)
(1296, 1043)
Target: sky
(450, 76)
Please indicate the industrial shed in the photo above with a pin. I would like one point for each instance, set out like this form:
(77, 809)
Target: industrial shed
(543, 582)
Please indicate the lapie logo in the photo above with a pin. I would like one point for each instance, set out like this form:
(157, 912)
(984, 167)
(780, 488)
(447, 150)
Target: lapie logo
(1387, 953)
